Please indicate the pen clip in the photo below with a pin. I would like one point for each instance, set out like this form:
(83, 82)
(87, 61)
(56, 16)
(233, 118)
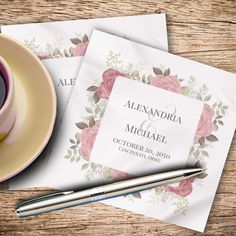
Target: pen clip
(52, 195)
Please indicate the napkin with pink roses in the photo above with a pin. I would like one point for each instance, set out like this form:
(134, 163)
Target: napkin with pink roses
(61, 46)
(76, 159)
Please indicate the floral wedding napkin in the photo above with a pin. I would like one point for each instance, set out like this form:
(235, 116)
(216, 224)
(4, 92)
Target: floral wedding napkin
(61, 46)
(73, 163)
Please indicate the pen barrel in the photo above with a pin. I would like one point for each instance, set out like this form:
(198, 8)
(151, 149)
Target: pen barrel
(69, 199)
(53, 203)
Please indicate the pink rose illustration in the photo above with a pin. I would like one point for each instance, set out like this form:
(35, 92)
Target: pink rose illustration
(205, 125)
(184, 188)
(87, 139)
(167, 82)
(116, 174)
(108, 80)
(80, 49)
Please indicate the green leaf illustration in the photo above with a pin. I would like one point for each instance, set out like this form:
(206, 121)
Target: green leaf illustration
(66, 53)
(93, 166)
(96, 98)
(199, 97)
(204, 153)
(149, 78)
(85, 38)
(71, 51)
(92, 88)
(97, 110)
(202, 141)
(135, 73)
(75, 41)
(212, 138)
(167, 72)
(225, 107)
(197, 164)
(157, 71)
(91, 122)
(207, 98)
(184, 90)
(56, 51)
(72, 140)
(84, 166)
(219, 117)
(81, 125)
(77, 135)
(89, 110)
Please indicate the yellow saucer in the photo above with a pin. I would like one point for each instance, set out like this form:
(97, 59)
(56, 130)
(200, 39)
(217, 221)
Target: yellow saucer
(36, 109)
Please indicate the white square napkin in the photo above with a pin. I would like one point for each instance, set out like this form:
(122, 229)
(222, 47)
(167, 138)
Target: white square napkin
(61, 45)
(187, 203)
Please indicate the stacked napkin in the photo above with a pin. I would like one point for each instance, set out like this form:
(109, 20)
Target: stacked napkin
(85, 65)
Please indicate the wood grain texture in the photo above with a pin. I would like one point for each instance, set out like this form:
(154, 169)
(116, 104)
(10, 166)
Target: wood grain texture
(202, 30)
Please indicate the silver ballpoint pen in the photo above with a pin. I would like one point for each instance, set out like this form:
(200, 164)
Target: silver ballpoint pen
(61, 200)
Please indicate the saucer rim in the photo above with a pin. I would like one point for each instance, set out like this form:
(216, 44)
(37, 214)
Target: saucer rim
(53, 112)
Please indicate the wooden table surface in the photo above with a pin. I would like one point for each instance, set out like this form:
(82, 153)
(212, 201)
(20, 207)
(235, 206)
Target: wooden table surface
(204, 31)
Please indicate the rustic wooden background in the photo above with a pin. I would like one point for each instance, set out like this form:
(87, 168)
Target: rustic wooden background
(204, 31)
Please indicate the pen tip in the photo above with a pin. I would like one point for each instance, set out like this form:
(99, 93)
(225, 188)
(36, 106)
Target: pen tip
(17, 212)
(194, 172)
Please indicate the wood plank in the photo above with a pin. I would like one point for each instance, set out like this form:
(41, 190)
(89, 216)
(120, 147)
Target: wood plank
(208, 36)
(191, 11)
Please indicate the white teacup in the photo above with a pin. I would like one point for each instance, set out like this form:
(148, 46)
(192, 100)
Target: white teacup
(7, 103)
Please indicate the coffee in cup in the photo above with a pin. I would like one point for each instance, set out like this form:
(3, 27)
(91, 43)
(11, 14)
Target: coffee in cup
(2, 91)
